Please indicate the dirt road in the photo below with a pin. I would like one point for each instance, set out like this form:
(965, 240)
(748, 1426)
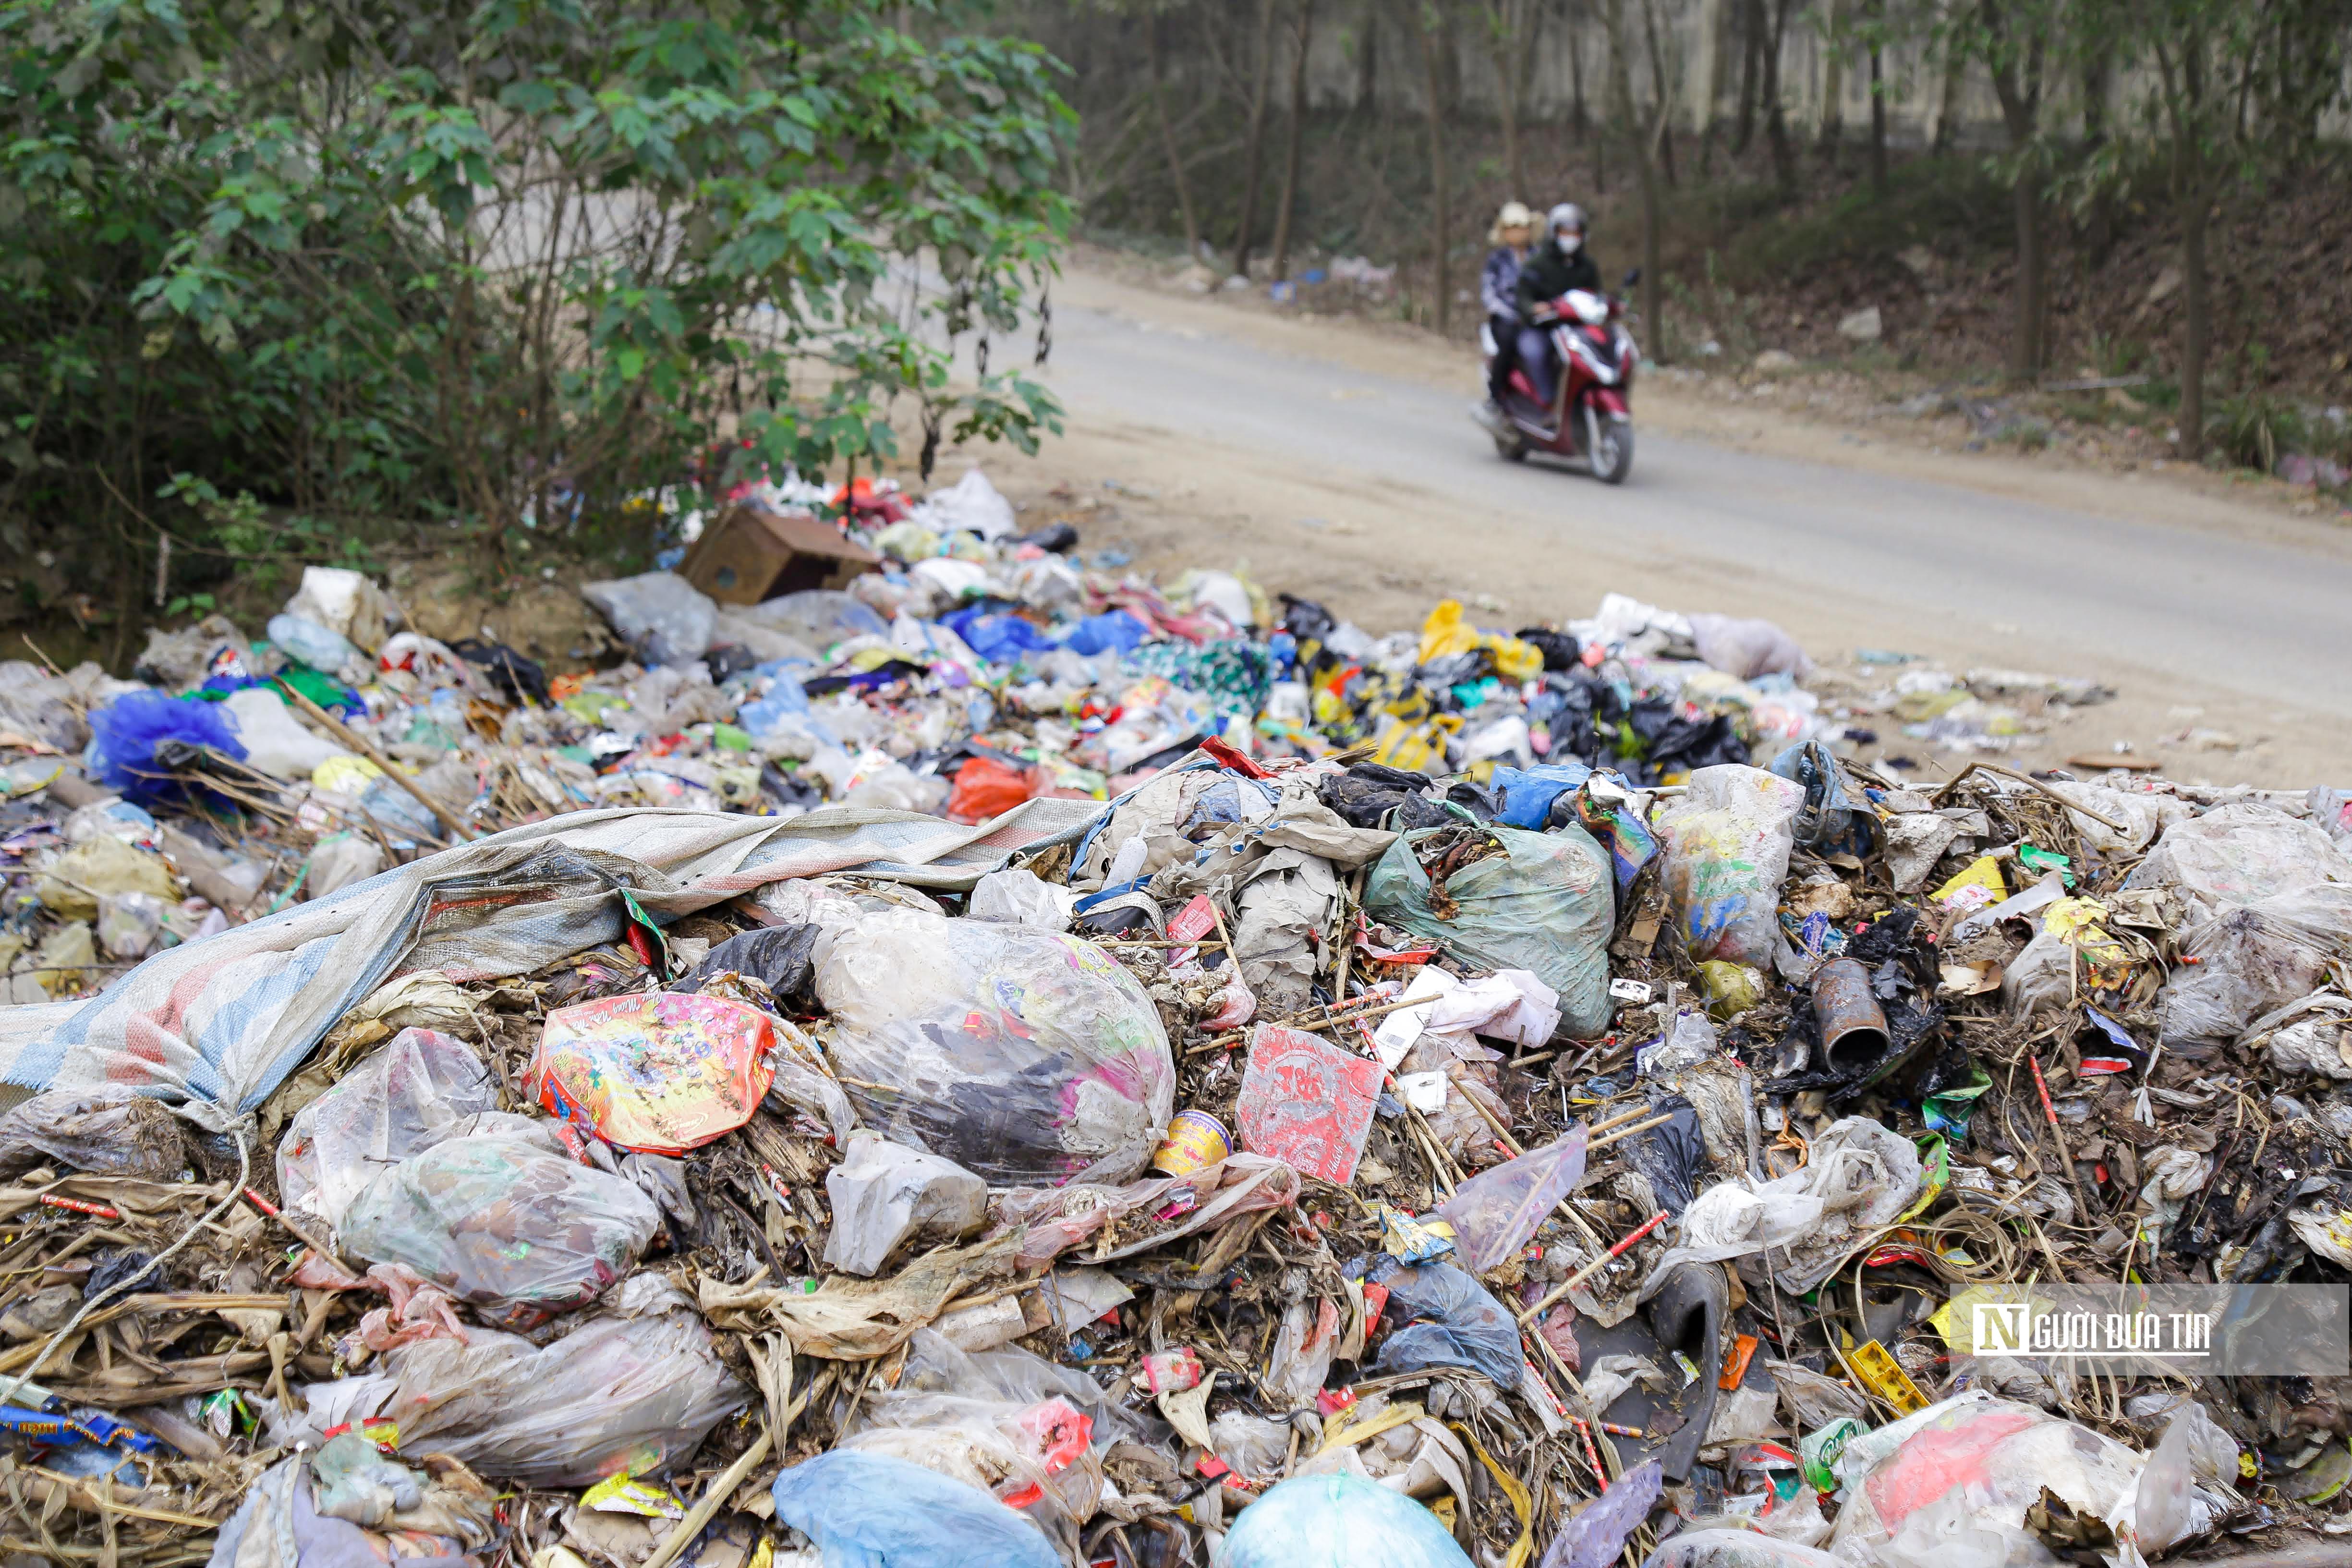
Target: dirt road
(1336, 460)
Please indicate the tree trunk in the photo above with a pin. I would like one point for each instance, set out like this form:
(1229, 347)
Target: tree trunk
(1833, 122)
(1776, 117)
(1168, 142)
(1576, 76)
(1439, 196)
(1877, 119)
(1751, 52)
(2099, 223)
(1367, 59)
(1255, 147)
(1948, 103)
(1645, 170)
(2194, 218)
(1298, 125)
(2025, 346)
(1663, 106)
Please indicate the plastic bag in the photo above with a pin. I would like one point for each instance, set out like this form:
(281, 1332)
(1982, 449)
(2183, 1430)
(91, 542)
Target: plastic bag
(1301, 1358)
(505, 1219)
(1024, 1055)
(1737, 1549)
(1020, 898)
(1865, 1176)
(1448, 1319)
(1525, 796)
(131, 925)
(2238, 854)
(870, 1510)
(344, 602)
(632, 1391)
(274, 740)
(341, 859)
(420, 1088)
(1339, 1521)
(1728, 1221)
(819, 617)
(105, 1131)
(972, 503)
(1546, 905)
(986, 788)
(72, 885)
(1728, 841)
(660, 1072)
(1952, 1483)
(125, 732)
(1747, 649)
(661, 615)
(2253, 959)
(1494, 1212)
(1594, 1537)
(307, 642)
(884, 1193)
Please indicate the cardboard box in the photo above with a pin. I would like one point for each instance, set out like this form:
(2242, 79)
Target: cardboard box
(747, 554)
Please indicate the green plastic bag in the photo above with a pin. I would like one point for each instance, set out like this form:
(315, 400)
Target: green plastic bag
(1546, 905)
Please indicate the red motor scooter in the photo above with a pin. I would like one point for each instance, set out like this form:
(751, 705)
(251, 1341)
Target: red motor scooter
(1591, 420)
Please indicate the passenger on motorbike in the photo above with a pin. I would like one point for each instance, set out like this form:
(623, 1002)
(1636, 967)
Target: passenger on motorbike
(1559, 265)
(1499, 291)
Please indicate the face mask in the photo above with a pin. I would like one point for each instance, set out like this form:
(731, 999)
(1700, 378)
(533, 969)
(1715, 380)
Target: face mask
(1569, 244)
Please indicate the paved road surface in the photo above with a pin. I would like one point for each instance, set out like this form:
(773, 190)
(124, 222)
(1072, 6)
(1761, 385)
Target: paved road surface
(2053, 587)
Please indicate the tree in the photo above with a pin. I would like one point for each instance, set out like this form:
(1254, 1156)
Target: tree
(511, 264)
(1304, 36)
(1168, 138)
(1511, 27)
(2016, 40)
(1430, 22)
(1255, 139)
(1644, 131)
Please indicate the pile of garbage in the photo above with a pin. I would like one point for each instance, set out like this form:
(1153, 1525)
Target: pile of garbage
(1001, 1061)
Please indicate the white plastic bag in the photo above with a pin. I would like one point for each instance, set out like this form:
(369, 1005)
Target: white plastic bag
(275, 740)
(972, 503)
(1019, 897)
(419, 1088)
(660, 614)
(341, 859)
(884, 1193)
(1727, 840)
(1747, 649)
(346, 603)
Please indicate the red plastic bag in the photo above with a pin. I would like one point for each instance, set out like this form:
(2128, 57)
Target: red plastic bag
(1307, 1102)
(660, 1072)
(985, 788)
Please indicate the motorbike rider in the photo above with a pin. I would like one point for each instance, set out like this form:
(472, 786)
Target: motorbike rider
(1498, 290)
(1556, 266)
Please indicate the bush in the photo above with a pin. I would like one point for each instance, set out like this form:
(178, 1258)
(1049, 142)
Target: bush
(498, 262)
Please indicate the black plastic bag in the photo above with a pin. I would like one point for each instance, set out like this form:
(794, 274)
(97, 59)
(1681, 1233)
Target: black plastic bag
(1559, 650)
(521, 680)
(776, 956)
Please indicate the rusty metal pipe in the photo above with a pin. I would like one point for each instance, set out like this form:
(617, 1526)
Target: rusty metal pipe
(1853, 1026)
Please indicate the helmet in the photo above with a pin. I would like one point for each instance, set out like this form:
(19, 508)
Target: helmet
(1567, 216)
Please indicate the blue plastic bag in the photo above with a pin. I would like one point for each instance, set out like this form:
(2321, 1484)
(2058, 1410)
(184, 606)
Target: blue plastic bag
(1527, 794)
(1335, 1521)
(870, 1510)
(998, 639)
(126, 731)
(1115, 630)
(1449, 1319)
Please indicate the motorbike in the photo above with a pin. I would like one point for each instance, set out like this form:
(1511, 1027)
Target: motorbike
(1590, 419)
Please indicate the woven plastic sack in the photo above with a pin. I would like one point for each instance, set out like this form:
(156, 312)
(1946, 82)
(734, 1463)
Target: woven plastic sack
(1025, 1055)
(1727, 839)
(660, 1072)
(1546, 905)
(422, 1087)
(505, 1219)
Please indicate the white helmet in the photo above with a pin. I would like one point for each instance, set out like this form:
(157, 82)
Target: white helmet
(1567, 216)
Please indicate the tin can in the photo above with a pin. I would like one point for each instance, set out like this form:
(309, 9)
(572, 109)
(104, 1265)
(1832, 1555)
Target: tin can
(1195, 1141)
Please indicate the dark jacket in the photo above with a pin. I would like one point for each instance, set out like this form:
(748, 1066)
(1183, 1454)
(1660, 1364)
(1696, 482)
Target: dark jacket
(1549, 274)
(1499, 285)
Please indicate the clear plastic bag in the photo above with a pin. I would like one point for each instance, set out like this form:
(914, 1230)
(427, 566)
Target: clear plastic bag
(660, 614)
(1339, 1521)
(505, 1219)
(632, 1390)
(1494, 1212)
(1594, 1537)
(131, 925)
(884, 1193)
(105, 1131)
(2239, 854)
(1957, 1477)
(871, 1511)
(1727, 840)
(2254, 958)
(1546, 905)
(422, 1087)
(1024, 1055)
(1747, 649)
(308, 642)
(1019, 897)
(1737, 1549)
(819, 617)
